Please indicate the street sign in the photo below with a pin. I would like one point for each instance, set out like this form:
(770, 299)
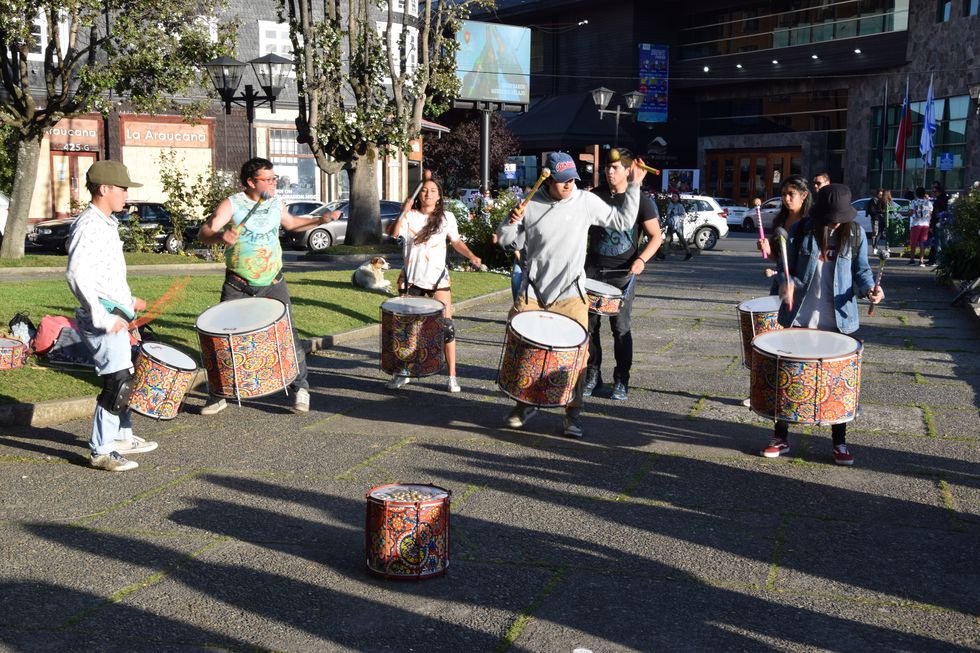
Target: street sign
(946, 161)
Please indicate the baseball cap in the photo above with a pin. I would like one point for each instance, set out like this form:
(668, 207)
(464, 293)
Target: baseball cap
(562, 167)
(111, 173)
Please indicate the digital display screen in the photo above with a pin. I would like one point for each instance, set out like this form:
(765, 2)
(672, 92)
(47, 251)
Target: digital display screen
(494, 62)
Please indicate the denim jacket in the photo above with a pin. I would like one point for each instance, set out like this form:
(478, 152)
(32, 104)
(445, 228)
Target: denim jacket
(852, 276)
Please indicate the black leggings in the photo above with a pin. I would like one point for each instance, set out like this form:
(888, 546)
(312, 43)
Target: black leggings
(838, 432)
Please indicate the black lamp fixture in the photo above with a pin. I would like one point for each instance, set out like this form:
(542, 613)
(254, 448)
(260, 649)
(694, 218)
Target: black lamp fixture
(602, 95)
(226, 74)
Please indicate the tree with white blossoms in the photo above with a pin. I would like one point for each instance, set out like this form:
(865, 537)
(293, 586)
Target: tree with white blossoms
(152, 52)
(363, 90)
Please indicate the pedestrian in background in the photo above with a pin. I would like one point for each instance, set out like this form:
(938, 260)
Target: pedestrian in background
(676, 214)
(937, 224)
(919, 226)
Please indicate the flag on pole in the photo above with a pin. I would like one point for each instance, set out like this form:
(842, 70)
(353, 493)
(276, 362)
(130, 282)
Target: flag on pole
(928, 127)
(904, 130)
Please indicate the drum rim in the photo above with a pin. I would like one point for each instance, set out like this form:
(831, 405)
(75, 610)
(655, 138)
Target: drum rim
(445, 497)
(15, 341)
(434, 313)
(599, 291)
(167, 363)
(201, 330)
(805, 359)
(751, 312)
(544, 345)
(410, 298)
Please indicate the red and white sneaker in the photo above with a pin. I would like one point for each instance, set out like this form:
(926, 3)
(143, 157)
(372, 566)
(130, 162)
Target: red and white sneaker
(842, 456)
(776, 448)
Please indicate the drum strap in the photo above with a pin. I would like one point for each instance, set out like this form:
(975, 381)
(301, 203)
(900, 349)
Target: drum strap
(537, 293)
(243, 286)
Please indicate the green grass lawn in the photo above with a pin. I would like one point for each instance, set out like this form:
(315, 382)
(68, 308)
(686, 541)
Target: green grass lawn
(132, 258)
(324, 303)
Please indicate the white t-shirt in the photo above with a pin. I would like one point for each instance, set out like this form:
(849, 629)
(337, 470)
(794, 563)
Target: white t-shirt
(425, 263)
(817, 309)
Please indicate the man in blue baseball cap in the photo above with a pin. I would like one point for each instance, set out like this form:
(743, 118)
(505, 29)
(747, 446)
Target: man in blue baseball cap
(553, 229)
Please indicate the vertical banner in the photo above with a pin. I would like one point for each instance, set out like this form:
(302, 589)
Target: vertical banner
(653, 82)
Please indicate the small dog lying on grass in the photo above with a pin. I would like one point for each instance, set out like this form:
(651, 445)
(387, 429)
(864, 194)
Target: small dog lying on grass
(371, 276)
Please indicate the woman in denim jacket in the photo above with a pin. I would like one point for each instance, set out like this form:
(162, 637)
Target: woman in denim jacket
(828, 261)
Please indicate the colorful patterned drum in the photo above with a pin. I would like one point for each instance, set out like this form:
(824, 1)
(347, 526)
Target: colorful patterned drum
(806, 376)
(412, 336)
(162, 377)
(13, 354)
(604, 299)
(407, 531)
(247, 347)
(755, 317)
(542, 357)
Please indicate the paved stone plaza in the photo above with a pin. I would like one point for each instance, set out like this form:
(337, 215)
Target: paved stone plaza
(661, 530)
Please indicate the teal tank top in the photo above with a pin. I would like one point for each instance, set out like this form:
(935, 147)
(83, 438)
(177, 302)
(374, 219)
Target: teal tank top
(257, 256)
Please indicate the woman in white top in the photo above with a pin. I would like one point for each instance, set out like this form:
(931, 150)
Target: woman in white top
(425, 227)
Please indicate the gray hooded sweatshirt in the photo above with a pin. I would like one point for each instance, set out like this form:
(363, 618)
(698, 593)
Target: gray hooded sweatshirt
(555, 234)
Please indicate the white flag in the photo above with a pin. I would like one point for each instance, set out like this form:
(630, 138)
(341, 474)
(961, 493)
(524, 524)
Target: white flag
(928, 127)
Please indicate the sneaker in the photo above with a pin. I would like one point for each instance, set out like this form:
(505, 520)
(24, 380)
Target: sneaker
(571, 428)
(776, 448)
(620, 391)
(301, 402)
(398, 381)
(520, 415)
(136, 445)
(842, 456)
(454, 385)
(214, 406)
(112, 462)
(592, 381)
(921, 264)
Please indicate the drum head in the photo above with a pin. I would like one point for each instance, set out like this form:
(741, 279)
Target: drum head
(602, 289)
(549, 329)
(806, 344)
(767, 304)
(407, 492)
(412, 306)
(241, 315)
(10, 343)
(169, 356)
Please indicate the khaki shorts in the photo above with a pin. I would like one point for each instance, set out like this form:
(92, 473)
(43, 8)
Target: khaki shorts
(573, 307)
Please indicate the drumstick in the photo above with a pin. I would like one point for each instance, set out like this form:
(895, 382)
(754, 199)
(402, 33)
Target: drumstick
(782, 237)
(545, 173)
(614, 155)
(162, 302)
(883, 255)
(758, 221)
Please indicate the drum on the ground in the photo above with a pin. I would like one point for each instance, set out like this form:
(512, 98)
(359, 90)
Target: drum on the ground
(604, 299)
(806, 376)
(413, 336)
(247, 347)
(13, 354)
(755, 317)
(407, 530)
(542, 357)
(162, 376)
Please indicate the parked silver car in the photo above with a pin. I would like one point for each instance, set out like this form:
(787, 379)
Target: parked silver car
(333, 233)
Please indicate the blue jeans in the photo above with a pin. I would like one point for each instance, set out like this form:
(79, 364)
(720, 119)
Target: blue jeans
(111, 353)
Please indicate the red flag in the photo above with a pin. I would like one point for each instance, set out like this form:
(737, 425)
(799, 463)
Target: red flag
(904, 130)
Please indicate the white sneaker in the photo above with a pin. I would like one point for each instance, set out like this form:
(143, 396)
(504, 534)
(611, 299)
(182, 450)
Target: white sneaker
(454, 385)
(398, 381)
(214, 406)
(112, 462)
(301, 403)
(136, 445)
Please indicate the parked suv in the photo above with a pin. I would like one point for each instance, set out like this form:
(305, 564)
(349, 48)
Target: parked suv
(149, 216)
(706, 221)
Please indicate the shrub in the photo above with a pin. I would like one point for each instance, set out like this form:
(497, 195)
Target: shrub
(478, 229)
(195, 200)
(960, 256)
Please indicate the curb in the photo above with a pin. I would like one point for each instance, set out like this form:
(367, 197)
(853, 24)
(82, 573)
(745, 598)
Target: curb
(13, 274)
(49, 413)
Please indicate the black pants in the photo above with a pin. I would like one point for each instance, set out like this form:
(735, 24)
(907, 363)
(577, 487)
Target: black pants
(233, 288)
(671, 229)
(622, 336)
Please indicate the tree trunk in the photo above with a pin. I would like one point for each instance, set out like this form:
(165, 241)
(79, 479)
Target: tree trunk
(364, 220)
(25, 176)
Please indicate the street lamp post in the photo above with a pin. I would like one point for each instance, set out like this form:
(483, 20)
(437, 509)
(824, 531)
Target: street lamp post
(602, 95)
(226, 74)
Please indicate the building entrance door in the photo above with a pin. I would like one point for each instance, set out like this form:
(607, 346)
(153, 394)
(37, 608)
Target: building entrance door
(68, 171)
(744, 175)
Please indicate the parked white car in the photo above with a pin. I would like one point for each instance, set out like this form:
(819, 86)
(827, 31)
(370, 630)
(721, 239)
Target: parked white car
(904, 208)
(736, 212)
(706, 221)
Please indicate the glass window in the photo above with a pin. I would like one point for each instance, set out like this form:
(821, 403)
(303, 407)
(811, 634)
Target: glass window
(943, 9)
(971, 7)
(959, 106)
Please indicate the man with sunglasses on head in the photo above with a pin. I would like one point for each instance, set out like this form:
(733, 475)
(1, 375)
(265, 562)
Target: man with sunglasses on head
(553, 230)
(247, 225)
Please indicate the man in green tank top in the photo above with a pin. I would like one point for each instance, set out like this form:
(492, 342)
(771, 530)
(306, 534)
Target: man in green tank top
(247, 224)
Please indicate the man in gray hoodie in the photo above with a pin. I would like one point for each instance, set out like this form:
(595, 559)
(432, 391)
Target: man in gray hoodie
(553, 230)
